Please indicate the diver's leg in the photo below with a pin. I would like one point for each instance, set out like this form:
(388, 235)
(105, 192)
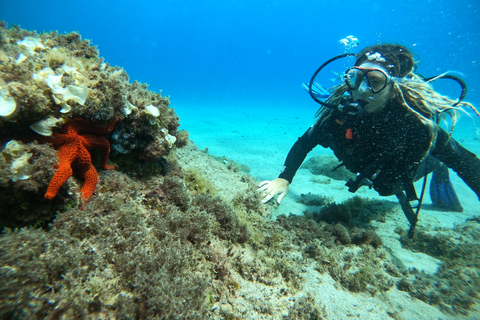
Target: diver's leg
(442, 193)
(427, 166)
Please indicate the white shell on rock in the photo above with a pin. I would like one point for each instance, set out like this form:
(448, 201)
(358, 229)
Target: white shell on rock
(54, 82)
(20, 59)
(154, 111)
(61, 95)
(44, 127)
(21, 169)
(31, 44)
(128, 107)
(7, 104)
(168, 137)
(76, 93)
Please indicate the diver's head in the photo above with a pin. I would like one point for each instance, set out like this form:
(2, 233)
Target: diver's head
(395, 59)
(370, 86)
(370, 80)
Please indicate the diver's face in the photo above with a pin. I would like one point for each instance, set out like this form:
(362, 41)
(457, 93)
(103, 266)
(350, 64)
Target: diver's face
(363, 93)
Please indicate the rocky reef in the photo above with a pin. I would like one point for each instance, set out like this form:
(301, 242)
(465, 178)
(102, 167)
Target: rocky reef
(46, 81)
(172, 232)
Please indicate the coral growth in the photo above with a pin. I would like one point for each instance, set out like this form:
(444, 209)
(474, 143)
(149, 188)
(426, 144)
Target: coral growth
(358, 265)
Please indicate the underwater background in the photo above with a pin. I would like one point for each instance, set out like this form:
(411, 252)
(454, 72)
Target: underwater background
(197, 242)
(244, 54)
(221, 59)
(216, 59)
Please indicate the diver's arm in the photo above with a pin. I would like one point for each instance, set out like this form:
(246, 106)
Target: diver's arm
(294, 159)
(298, 153)
(465, 163)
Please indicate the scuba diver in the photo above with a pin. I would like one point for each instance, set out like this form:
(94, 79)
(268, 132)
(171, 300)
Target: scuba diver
(382, 123)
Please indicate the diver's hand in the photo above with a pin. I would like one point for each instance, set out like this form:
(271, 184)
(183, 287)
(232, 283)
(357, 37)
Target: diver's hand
(272, 188)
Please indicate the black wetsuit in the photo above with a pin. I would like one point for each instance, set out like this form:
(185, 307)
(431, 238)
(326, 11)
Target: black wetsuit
(386, 147)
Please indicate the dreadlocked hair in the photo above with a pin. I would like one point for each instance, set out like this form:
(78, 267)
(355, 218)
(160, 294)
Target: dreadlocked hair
(334, 99)
(426, 103)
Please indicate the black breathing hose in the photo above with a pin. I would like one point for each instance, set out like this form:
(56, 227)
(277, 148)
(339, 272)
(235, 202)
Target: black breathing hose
(455, 78)
(320, 69)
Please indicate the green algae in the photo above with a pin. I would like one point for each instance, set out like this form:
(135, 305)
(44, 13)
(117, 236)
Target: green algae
(454, 287)
(196, 182)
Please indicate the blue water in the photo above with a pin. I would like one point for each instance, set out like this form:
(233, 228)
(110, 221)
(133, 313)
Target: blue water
(257, 53)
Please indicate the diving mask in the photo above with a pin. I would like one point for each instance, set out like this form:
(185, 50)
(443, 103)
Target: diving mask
(376, 79)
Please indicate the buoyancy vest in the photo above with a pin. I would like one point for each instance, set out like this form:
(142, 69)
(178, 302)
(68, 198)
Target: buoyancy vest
(386, 147)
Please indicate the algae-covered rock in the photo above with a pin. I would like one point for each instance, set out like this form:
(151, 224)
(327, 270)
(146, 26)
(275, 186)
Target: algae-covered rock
(328, 166)
(25, 171)
(353, 212)
(155, 248)
(48, 79)
(63, 77)
(454, 287)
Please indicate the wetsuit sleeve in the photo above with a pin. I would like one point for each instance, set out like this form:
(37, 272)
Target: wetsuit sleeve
(465, 163)
(298, 152)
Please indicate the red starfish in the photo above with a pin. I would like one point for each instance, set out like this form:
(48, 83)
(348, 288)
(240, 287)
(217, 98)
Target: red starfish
(73, 143)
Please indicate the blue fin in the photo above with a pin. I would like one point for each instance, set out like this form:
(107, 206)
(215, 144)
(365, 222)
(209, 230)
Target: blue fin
(442, 193)
(318, 90)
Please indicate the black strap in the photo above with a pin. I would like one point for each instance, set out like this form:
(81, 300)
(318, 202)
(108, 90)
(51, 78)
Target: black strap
(409, 189)
(408, 211)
